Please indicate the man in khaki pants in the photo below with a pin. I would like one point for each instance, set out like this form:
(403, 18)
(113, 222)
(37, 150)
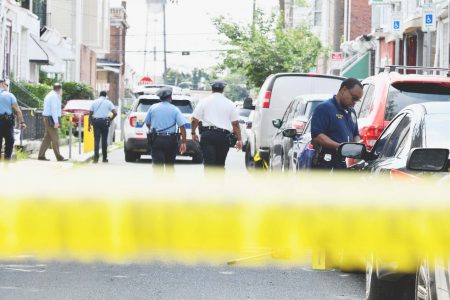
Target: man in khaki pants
(52, 121)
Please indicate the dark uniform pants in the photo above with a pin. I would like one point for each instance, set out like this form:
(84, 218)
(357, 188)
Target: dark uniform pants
(334, 164)
(164, 150)
(7, 133)
(101, 130)
(215, 146)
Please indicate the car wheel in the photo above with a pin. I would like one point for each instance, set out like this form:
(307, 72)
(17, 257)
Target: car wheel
(130, 156)
(425, 287)
(378, 289)
(197, 158)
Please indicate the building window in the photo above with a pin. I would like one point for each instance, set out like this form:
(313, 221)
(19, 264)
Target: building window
(25, 4)
(40, 10)
(318, 13)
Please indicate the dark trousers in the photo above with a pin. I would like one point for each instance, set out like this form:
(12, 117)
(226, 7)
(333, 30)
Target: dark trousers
(164, 150)
(7, 133)
(215, 146)
(100, 132)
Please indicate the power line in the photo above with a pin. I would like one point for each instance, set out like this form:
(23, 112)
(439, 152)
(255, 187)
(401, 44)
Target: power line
(171, 51)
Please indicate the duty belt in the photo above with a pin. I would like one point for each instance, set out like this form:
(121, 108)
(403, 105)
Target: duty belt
(166, 133)
(215, 128)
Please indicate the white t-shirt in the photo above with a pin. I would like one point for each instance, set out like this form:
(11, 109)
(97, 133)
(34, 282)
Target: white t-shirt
(216, 110)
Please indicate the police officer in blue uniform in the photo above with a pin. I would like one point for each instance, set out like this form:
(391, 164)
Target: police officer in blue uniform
(99, 117)
(162, 119)
(8, 106)
(334, 122)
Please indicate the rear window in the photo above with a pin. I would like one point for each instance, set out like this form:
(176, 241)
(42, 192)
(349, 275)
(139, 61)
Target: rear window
(185, 106)
(403, 94)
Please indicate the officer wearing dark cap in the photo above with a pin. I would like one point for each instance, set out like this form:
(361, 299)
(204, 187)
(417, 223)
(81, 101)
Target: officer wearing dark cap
(162, 119)
(8, 106)
(219, 117)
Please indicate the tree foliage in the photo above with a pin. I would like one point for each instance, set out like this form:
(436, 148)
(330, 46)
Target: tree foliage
(76, 90)
(265, 47)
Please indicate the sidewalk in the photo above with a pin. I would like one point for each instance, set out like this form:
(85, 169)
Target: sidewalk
(64, 149)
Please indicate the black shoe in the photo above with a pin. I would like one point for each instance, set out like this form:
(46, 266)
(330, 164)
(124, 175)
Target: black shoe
(94, 161)
(105, 160)
(63, 159)
(43, 158)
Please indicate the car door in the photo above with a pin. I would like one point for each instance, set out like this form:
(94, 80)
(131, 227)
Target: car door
(288, 142)
(394, 144)
(278, 140)
(300, 144)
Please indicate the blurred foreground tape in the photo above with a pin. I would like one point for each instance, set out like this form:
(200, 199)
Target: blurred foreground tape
(158, 218)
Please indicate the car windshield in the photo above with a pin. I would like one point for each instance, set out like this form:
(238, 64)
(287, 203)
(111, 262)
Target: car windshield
(185, 106)
(407, 93)
(436, 131)
(84, 105)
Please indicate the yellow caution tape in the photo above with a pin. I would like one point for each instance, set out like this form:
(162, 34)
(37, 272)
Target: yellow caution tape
(124, 214)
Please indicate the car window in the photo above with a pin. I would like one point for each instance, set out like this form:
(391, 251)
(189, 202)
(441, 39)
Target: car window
(310, 107)
(381, 142)
(144, 104)
(403, 94)
(394, 143)
(244, 112)
(367, 103)
(359, 104)
(288, 111)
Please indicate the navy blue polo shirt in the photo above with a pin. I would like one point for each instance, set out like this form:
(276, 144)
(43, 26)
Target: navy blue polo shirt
(338, 124)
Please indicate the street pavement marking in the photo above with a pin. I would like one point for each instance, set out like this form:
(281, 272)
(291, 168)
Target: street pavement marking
(116, 215)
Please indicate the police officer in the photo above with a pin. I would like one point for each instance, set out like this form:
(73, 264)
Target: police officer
(8, 106)
(162, 120)
(334, 122)
(219, 117)
(52, 121)
(99, 117)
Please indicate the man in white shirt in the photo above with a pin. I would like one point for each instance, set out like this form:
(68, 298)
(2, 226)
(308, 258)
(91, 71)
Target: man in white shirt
(52, 121)
(219, 117)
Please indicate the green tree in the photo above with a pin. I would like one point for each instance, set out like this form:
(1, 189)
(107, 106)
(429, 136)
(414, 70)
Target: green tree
(265, 48)
(76, 90)
(175, 77)
(236, 89)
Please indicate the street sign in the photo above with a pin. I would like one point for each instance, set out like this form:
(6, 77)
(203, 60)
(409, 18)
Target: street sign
(428, 18)
(337, 58)
(396, 23)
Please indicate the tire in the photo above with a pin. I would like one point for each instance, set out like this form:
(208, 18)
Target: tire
(378, 289)
(197, 158)
(425, 285)
(249, 162)
(130, 156)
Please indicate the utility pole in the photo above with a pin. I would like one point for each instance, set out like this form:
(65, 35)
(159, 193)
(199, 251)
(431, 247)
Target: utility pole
(165, 42)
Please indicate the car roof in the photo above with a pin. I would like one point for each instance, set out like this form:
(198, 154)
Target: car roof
(174, 97)
(314, 97)
(397, 77)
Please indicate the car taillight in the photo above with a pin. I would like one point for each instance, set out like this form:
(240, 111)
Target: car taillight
(266, 100)
(133, 121)
(370, 135)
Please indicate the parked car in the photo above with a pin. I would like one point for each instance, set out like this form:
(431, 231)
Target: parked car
(243, 118)
(135, 130)
(387, 93)
(295, 118)
(77, 107)
(273, 99)
(416, 143)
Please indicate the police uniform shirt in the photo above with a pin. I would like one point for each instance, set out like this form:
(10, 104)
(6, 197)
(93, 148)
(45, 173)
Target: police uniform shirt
(162, 116)
(216, 110)
(6, 102)
(101, 108)
(52, 106)
(338, 124)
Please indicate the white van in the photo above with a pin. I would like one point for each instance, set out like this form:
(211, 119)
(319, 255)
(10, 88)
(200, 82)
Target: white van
(275, 95)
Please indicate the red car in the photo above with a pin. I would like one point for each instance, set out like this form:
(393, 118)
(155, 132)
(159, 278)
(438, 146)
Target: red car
(77, 107)
(387, 93)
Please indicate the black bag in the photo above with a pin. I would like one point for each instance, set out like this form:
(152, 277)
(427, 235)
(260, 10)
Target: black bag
(9, 119)
(151, 136)
(232, 139)
(108, 122)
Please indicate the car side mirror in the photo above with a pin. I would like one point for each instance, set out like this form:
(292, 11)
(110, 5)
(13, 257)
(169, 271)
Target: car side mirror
(277, 123)
(290, 133)
(248, 124)
(427, 159)
(352, 150)
(248, 104)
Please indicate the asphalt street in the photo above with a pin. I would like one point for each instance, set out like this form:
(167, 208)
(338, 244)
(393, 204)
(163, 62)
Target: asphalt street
(29, 279)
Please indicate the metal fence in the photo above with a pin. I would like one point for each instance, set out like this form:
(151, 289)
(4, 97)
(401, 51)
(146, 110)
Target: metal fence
(35, 124)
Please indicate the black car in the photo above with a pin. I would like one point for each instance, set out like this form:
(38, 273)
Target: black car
(415, 143)
(294, 121)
